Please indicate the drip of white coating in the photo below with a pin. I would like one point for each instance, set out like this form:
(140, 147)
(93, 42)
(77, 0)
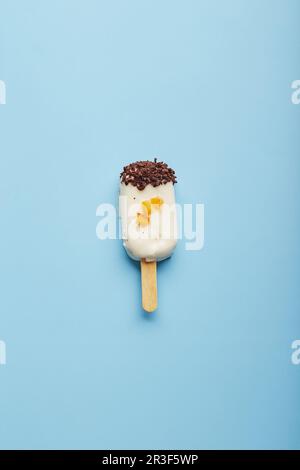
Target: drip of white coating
(157, 240)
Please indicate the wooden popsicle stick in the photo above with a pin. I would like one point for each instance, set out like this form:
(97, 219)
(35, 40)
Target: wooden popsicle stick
(149, 285)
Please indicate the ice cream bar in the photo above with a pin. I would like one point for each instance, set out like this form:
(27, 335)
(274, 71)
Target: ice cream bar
(148, 219)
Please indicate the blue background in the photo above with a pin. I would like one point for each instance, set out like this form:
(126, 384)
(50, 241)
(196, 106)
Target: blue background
(206, 86)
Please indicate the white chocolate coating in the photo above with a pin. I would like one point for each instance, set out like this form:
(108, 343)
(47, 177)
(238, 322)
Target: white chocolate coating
(158, 239)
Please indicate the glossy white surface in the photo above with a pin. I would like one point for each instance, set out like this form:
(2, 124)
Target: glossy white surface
(157, 240)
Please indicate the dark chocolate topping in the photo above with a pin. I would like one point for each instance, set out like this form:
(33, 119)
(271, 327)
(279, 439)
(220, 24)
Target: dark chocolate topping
(141, 173)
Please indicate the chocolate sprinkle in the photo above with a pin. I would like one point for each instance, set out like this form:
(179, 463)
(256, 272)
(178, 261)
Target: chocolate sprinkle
(141, 173)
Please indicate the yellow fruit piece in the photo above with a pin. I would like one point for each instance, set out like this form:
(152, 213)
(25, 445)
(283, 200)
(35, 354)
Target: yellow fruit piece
(147, 205)
(156, 201)
(142, 220)
(143, 217)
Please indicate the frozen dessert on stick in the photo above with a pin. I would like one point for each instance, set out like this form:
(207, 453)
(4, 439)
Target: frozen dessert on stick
(148, 219)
